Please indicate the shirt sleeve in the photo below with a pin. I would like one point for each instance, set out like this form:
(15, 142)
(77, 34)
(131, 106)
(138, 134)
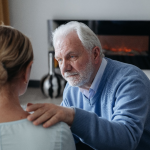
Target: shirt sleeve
(124, 130)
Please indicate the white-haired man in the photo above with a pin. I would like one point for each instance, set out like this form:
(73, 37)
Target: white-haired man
(105, 102)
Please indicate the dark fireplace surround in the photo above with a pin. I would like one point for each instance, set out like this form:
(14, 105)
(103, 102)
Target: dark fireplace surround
(134, 36)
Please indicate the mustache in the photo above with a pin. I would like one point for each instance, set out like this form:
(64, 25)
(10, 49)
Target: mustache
(67, 74)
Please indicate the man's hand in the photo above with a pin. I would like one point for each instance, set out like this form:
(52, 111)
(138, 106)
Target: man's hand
(50, 114)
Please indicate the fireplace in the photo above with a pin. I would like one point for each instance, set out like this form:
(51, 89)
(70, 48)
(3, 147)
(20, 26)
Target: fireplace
(126, 41)
(124, 45)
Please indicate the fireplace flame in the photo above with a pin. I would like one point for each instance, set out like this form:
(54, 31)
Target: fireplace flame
(123, 49)
(124, 45)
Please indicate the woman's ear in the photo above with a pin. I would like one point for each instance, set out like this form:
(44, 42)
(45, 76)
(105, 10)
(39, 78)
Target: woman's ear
(27, 72)
(96, 54)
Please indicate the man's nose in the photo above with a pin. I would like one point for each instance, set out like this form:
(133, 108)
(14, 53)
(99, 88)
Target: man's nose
(66, 66)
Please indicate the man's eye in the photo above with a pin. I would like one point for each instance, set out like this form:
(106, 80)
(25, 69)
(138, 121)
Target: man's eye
(59, 60)
(72, 56)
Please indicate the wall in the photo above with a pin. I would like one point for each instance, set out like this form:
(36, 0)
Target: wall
(30, 17)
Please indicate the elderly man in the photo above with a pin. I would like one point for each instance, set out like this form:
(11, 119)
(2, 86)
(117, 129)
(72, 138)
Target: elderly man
(106, 103)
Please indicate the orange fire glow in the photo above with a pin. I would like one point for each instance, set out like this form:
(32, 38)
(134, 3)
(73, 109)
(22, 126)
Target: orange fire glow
(132, 45)
(123, 49)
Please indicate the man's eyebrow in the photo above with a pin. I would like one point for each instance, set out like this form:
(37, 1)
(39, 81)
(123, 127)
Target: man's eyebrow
(56, 57)
(71, 52)
(68, 53)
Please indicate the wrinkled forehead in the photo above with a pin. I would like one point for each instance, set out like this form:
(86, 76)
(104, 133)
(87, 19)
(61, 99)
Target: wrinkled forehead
(68, 40)
(62, 46)
(68, 44)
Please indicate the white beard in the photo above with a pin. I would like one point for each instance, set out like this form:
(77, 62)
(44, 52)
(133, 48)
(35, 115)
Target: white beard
(80, 78)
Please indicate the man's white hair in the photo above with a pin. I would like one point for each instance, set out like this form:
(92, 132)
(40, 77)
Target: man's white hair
(87, 37)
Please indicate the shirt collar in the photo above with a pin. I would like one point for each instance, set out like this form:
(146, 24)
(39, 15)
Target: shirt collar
(98, 76)
(89, 94)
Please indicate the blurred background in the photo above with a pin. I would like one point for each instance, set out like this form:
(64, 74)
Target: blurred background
(30, 17)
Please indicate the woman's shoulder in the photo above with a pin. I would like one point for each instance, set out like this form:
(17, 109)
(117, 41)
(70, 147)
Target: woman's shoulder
(36, 137)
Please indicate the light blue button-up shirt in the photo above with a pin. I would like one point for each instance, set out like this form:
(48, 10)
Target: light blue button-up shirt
(91, 92)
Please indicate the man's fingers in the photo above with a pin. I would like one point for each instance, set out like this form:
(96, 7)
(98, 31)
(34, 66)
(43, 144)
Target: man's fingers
(37, 114)
(50, 114)
(43, 118)
(52, 121)
(33, 107)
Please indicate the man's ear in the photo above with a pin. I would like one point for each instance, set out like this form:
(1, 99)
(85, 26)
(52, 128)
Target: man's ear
(27, 72)
(96, 54)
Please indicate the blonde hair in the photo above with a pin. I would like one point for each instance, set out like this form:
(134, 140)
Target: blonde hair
(15, 53)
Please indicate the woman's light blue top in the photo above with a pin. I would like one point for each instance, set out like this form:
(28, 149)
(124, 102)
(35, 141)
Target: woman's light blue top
(23, 135)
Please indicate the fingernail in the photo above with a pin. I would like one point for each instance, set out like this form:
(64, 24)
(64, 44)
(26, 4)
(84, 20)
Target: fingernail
(29, 118)
(27, 109)
(44, 125)
(35, 122)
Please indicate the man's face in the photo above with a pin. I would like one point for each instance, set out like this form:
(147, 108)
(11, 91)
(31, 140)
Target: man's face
(74, 61)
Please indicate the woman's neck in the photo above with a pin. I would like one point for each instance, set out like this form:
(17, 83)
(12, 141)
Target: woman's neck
(8, 95)
(10, 108)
